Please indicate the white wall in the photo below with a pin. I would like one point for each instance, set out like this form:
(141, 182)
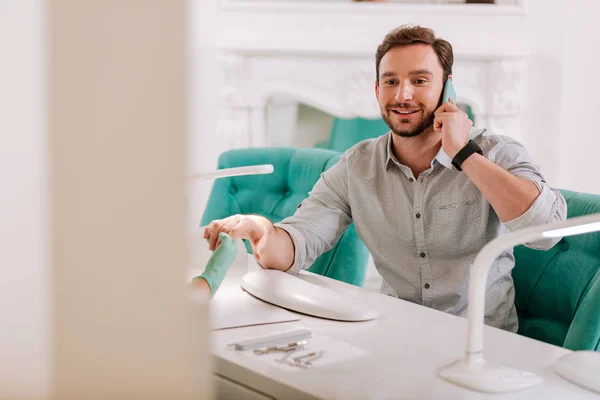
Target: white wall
(543, 85)
(203, 146)
(562, 92)
(579, 139)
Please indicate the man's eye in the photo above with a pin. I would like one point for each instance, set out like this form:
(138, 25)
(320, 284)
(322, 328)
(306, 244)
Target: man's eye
(390, 82)
(420, 81)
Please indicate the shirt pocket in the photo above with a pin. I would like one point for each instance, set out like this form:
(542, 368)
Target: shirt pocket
(457, 228)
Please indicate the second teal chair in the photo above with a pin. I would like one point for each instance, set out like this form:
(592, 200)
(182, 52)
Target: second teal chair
(345, 133)
(278, 195)
(557, 292)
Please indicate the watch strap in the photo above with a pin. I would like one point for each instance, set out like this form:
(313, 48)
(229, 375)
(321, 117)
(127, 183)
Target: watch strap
(464, 153)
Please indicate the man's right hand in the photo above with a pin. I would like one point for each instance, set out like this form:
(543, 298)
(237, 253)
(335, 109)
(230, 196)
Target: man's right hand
(272, 247)
(251, 227)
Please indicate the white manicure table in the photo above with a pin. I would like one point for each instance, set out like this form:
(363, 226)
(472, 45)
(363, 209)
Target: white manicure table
(407, 344)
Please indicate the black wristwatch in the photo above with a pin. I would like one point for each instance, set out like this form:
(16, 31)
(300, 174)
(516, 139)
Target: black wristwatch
(464, 153)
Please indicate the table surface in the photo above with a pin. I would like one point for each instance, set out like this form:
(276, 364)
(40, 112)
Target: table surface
(408, 343)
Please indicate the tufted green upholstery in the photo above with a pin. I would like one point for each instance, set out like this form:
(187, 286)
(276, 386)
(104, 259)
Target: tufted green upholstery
(277, 196)
(557, 292)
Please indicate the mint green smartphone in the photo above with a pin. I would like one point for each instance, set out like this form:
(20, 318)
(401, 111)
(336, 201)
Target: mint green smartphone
(449, 91)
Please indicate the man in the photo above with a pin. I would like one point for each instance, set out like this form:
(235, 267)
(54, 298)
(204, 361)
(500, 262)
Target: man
(422, 197)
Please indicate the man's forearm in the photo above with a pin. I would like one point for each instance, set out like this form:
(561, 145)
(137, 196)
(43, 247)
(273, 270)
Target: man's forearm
(277, 252)
(509, 195)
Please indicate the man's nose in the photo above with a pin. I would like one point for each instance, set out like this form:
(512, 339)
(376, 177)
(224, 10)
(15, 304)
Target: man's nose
(404, 92)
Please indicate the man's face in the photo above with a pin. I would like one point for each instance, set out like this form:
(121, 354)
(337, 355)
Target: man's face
(409, 88)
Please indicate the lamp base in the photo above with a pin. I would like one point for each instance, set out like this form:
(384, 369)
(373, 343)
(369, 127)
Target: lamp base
(474, 373)
(581, 368)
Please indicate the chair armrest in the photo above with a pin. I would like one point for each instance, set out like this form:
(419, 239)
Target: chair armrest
(584, 332)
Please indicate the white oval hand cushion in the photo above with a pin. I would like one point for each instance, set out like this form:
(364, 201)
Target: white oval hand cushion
(291, 292)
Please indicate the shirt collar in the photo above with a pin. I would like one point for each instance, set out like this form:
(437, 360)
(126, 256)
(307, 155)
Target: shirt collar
(441, 156)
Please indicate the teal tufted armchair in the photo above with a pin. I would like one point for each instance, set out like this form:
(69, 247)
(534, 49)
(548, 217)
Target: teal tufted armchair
(278, 195)
(557, 292)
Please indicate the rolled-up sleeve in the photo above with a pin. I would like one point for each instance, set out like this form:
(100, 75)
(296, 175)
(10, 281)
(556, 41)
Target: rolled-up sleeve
(321, 218)
(550, 205)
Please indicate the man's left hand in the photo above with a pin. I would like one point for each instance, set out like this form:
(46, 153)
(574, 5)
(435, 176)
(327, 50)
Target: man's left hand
(454, 125)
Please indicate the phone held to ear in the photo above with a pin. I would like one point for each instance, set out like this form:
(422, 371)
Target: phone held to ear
(449, 92)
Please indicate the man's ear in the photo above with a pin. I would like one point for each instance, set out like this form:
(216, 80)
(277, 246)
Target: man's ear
(376, 89)
(450, 76)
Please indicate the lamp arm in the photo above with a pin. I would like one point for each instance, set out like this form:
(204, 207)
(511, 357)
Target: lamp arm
(237, 171)
(491, 251)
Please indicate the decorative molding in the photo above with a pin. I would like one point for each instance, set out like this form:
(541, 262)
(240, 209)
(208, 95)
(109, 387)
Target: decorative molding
(253, 48)
(343, 87)
(506, 87)
(235, 70)
(360, 96)
(234, 128)
(374, 9)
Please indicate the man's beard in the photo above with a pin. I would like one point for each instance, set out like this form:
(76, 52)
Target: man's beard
(421, 127)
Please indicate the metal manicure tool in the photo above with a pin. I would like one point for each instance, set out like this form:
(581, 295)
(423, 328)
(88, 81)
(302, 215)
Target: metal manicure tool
(284, 347)
(284, 359)
(306, 360)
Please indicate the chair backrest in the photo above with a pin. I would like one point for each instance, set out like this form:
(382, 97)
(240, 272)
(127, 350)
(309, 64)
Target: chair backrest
(278, 195)
(557, 292)
(345, 133)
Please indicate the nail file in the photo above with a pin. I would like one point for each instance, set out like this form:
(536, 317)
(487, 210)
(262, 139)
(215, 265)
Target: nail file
(272, 339)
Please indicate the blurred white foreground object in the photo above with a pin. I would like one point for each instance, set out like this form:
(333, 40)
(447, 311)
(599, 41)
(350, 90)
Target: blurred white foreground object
(289, 291)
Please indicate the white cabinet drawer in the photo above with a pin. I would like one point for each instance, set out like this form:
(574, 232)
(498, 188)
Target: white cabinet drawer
(226, 389)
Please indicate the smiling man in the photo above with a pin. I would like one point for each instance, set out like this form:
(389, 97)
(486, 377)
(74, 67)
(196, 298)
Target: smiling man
(425, 197)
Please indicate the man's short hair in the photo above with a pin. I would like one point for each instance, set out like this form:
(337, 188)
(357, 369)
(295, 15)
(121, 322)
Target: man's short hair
(409, 34)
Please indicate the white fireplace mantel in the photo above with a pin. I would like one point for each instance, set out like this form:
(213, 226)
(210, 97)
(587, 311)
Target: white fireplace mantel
(316, 67)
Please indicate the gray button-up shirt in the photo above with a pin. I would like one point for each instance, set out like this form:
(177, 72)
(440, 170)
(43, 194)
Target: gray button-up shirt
(423, 234)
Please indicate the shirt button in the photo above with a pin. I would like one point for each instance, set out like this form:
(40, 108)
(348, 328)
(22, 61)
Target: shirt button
(427, 286)
(418, 215)
(411, 180)
(422, 255)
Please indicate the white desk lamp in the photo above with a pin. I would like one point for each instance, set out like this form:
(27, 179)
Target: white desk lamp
(238, 171)
(472, 371)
